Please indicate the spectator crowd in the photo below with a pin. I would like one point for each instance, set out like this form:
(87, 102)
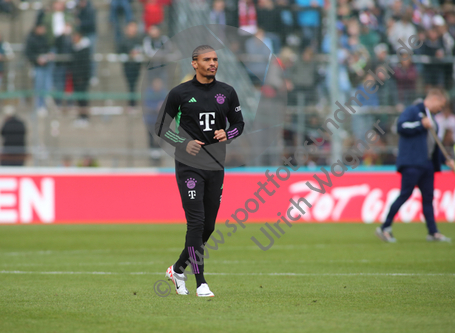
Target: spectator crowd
(63, 41)
(62, 44)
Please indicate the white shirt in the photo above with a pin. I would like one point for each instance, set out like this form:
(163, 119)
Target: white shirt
(58, 23)
(401, 31)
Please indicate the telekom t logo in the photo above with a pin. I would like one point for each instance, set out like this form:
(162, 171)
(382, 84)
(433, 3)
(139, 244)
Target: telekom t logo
(192, 194)
(208, 118)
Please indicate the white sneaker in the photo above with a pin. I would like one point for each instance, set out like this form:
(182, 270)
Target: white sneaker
(178, 280)
(385, 235)
(438, 238)
(204, 291)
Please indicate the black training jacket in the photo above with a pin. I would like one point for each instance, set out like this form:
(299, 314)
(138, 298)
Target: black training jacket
(200, 109)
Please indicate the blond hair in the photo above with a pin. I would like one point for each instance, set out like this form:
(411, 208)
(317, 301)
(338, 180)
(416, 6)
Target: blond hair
(438, 92)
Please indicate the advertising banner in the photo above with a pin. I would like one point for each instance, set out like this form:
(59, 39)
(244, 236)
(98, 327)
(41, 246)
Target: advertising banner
(247, 197)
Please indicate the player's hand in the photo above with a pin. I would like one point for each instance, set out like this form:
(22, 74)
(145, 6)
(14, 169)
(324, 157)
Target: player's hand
(220, 135)
(426, 122)
(193, 147)
(451, 164)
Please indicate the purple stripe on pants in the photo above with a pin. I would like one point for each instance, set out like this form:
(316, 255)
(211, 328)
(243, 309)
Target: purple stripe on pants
(194, 261)
(191, 259)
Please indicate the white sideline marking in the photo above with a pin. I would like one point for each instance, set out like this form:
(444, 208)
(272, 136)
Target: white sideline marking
(225, 262)
(233, 274)
(87, 264)
(175, 249)
(62, 252)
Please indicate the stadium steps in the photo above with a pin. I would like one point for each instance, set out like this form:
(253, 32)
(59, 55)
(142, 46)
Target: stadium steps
(114, 140)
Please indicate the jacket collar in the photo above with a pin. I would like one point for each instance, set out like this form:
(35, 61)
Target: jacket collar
(199, 84)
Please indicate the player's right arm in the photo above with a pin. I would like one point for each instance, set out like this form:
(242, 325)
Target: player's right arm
(410, 123)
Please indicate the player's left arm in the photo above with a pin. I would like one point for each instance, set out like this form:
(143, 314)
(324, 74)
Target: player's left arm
(235, 119)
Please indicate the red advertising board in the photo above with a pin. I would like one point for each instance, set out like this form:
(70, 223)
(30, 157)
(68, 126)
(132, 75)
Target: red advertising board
(152, 197)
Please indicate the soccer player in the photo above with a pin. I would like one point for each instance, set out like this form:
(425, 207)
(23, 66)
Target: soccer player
(418, 159)
(201, 109)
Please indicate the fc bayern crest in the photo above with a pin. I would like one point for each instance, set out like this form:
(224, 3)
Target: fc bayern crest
(220, 98)
(191, 183)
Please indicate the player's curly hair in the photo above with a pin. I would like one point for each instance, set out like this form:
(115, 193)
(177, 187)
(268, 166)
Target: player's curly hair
(200, 50)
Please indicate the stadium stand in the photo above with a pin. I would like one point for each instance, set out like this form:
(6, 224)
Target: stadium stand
(296, 31)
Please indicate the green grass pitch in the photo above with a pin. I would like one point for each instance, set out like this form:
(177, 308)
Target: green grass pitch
(335, 278)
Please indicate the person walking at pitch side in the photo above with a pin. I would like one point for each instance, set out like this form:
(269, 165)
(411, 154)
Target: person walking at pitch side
(418, 159)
